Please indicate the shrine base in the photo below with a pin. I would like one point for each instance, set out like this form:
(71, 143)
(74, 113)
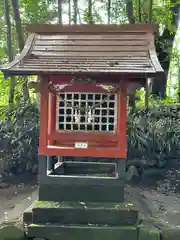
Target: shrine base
(79, 200)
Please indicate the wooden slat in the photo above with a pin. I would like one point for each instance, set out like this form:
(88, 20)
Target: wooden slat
(91, 28)
(81, 65)
(90, 48)
(105, 37)
(89, 58)
(93, 42)
(85, 61)
(89, 63)
(88, 70)
(121, 73)
(87, 54)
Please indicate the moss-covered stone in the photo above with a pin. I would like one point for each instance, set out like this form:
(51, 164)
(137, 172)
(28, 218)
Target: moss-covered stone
(148, 232)
(112, 214)
(12, 233)
(171, 233)
(94, 205)
(54, 232)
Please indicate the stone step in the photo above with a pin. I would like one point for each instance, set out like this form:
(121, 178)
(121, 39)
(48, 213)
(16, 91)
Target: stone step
(77, 232)
(104, 193)
(113, 214)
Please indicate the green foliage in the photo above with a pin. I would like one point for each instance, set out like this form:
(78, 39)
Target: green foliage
(38, 11)
(19, 130)
(161, 14)
(4, 92)
(154, 135)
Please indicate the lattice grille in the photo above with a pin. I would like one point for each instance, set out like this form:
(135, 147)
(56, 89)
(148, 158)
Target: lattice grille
(101, 118)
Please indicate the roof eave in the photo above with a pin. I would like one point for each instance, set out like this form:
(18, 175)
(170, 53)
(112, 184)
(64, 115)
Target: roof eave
(22, 72)
(6, 68)
(90, 28)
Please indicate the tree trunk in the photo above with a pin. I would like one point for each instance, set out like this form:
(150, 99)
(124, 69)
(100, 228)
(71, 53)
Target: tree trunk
(150, 11)
(75, 6)
(109, 11)
(69, 11)
(60, 11)
(129, 10)
(90, 17)
(19, 31)
(138, 11)
(9, 49)
(159, 86)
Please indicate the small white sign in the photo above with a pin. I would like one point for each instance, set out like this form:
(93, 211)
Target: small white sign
(81, 145)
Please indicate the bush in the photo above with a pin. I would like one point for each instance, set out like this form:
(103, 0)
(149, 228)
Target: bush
(153, 137)
(19, 131)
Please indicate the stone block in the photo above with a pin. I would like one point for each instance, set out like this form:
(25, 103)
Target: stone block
(12, 233)
(88, 232)
(148, 232)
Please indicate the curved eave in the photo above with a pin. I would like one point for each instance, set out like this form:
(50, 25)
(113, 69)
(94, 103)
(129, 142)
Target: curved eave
(153, 55)
(7, 69)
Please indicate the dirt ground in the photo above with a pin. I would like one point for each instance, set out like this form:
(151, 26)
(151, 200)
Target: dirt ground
(16, 195)
(155, 197)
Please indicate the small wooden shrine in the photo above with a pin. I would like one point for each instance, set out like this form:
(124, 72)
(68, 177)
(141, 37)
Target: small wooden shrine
(84, 72)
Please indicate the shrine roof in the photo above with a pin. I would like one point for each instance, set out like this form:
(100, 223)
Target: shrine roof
(92, 49)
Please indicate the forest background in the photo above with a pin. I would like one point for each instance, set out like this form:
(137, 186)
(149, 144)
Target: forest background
(154, 112)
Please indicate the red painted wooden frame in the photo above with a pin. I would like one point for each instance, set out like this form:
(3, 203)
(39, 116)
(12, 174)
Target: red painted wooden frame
(55, 143)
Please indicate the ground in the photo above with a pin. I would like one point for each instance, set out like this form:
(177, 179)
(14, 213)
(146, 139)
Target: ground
(155, 197)
(16, 195)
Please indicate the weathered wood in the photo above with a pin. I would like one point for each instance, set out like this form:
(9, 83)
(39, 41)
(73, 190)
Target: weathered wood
(113, 214)
(91, 59)
(91, 28)
(89, 49)
(81, 193)
(54, 232)
(87, 54)
(93, 42)
(87, 64)
(92, 37)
